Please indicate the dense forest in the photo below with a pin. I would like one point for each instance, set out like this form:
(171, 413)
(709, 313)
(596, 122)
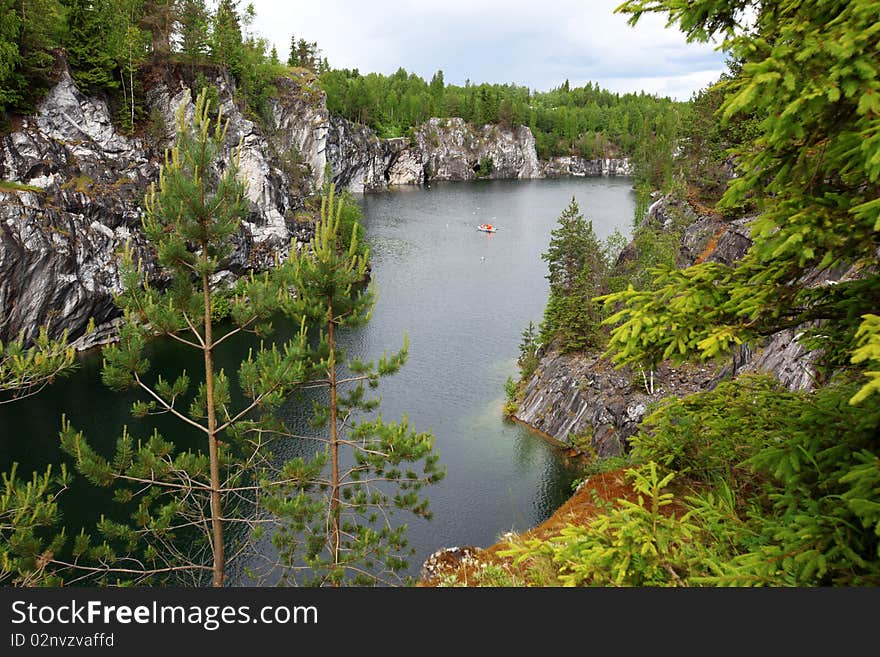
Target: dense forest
(110, 44)
(587, 121)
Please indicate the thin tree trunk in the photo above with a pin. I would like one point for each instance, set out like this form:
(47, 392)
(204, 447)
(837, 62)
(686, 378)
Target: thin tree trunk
(131, 84)
(124, 93)
(213, 451)
(334, 441)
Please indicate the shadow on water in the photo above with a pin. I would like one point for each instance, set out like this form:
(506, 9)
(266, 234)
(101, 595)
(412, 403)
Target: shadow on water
(463, 298)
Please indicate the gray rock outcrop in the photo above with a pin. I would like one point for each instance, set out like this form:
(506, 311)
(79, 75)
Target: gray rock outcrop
(360, 161)
(440, 150)
(78, 183)
(582, 401)
(572, 165)
(451, 149)
(58, 246)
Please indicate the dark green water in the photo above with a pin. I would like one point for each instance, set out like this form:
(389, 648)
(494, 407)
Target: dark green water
(463, 297)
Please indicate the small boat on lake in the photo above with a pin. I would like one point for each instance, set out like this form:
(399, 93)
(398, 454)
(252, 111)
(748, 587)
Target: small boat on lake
(487, 228)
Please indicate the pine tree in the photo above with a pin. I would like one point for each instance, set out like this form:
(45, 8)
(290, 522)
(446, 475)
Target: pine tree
(577, 273)
(10, 57)
(91, 58)
(372, 462)
(29, 514)
(26, 367)
(158, 18)
(29, 519)
(184, 499)
(30, 29)
(292, 57)
(226, 39)
(528, 351)
(41, 30)
(193, 23)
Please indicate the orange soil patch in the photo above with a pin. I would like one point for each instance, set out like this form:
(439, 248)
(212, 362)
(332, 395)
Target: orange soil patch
(589, 501)
(584, 505)
(710, 247)
(693, 199)
(600, 492)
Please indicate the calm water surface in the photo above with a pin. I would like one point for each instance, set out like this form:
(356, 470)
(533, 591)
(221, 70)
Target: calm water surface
(463, 298)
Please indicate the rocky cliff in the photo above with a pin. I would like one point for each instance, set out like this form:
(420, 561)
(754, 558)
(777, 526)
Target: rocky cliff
(450, 149)
(581, 400)
(572, 165)
(85, 185)
(440, 150)
(360, 161)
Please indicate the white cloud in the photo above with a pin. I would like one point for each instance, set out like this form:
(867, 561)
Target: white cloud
(536, 44)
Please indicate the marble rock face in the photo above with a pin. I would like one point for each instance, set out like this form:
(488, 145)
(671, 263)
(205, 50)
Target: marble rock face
(86, 180)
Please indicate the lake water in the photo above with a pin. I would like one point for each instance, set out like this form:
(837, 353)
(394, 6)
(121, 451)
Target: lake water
(463, 297)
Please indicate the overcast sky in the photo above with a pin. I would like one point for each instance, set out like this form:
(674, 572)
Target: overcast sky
(534, 43)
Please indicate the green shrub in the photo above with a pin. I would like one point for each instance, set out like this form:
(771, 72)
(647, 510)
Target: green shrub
(707, 434)
(221, 304)
(484, 167)
(784, 491)
(511, 389)
(633, 544)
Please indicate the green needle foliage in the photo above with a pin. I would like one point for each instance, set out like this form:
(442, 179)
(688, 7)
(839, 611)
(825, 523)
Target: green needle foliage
(757, 485)
(634, 544)
(577, 272)
(374, 467)
(810, 74)
(183, 501)
(746, 485)
(29, 516)
(26, 368)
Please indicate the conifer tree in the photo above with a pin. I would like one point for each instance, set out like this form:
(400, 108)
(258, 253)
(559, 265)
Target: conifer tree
(292, 57)
(372, 463)
(9, 54)
(185, 499)
(158, 18)
(91, 58)
(29, 519)
(30, 29)
(29, 514)
(528, 351)
(193, 21)
(226, 38)
(577, 273)
(26, 367)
